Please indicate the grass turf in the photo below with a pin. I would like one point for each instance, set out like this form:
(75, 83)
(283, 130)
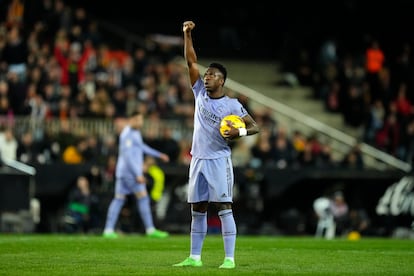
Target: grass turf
(43, 254)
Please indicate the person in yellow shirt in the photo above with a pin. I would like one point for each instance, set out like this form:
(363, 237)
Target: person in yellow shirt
(73, 154)
(158, 177)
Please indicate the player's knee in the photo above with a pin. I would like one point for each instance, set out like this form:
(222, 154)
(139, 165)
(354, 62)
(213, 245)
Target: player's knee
(141, 194)
(220, 206)
(201, 207)
(120, 197)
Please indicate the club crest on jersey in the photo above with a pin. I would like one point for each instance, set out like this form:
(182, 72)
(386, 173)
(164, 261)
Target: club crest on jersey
(128, 143)
(220, 109)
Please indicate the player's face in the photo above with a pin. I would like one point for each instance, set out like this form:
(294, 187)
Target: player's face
(213, 79)
(137, 121)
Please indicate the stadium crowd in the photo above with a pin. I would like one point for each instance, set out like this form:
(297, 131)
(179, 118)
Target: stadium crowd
(370, 86)
(56, 64)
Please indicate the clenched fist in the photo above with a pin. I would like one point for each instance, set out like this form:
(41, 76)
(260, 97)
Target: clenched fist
(188, 26)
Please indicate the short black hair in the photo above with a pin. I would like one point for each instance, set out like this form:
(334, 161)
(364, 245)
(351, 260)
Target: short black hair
(134, 113)
(221, 68)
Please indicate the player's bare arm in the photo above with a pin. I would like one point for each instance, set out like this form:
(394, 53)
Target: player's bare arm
(251, 126)
(141, 179)
(189, 52)
(164, 157)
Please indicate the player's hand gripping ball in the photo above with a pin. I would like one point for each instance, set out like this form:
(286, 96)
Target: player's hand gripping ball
(228, 121)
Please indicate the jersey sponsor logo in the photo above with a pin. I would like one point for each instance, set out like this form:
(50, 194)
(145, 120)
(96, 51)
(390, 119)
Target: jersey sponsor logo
(209, 117)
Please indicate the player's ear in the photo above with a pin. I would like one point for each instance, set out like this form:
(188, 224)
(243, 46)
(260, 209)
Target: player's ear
(221, 81)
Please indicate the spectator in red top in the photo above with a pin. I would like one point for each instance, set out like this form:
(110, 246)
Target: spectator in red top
(388, 137)
(374, 63)
(402, 102)
(72, 60)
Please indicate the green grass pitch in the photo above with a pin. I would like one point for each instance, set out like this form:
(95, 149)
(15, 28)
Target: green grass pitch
(44, 254)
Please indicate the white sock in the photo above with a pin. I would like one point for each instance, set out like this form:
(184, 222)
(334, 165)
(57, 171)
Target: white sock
(150, 230)
(195, 257)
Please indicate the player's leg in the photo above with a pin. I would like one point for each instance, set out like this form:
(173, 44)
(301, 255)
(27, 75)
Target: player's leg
(198, 233)
(112, 216)
(115, 208)
(198, 197)
(145, 212)
(221, 179)
(229, 233)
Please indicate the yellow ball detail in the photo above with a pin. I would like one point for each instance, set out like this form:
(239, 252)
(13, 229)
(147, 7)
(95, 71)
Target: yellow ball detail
(231, 120)
(354, 236)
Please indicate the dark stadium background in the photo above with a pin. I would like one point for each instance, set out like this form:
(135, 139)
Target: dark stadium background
(271, 31)
(266, 29)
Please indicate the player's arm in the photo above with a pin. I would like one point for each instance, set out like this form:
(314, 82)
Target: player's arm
(251, 126)
(189, 52)
(155, 153)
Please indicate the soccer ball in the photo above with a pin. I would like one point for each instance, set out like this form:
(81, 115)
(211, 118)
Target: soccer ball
(231, 120)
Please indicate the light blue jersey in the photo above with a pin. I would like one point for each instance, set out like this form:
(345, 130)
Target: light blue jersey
(211, 172)
(207, 140)
(131, 154)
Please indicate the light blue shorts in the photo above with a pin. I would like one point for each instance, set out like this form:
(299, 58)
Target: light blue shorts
(126, 186)
(211, 180)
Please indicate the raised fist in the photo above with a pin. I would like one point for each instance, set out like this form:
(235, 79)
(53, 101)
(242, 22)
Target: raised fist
(188, 26)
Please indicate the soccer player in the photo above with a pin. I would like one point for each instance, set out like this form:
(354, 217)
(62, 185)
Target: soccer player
(211, 175)
(130, 177)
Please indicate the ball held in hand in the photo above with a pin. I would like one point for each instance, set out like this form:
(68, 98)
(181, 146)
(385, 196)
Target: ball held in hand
(231, 120)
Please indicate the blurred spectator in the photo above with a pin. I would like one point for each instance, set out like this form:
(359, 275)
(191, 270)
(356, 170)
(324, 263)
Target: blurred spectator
(307, 157)
(5, 108)
(108, 178)
(8, 144)
(326, 159)
(353, 159)
(374, 63)
(403, 67)
(340, 211)
(15, 53)
(168, 144)
(92, 152)
(39, 109)
(405, 149)
(15, 12)
(155, 183)
(359, 221)
(64, 138)
(262, 149)
(282, 150)
(332, 98)
(304, 69)
(374, 121)
(29, 151)
(354, 106)
(328, 52)
(403, 105)
(109, 145)
(386, 87)
(298, 141)
(388, 137)
(82, 214)
(74, 154)
(72, 58)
